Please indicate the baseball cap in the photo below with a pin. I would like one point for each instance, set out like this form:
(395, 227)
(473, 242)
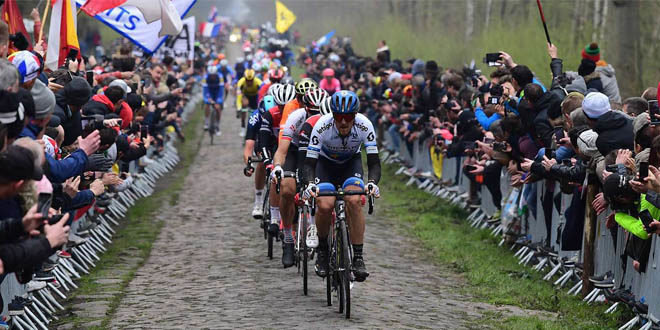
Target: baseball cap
(121, 83)
(28, 65)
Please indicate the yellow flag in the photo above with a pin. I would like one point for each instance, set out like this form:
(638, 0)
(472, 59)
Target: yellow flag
(285, 17)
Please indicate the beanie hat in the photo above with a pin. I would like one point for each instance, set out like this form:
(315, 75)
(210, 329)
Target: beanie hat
(595, 105)
(640, 122)
(77, 92)
(28, 65)
(9, 110)
(586, 67)
(44, 100)
(592, 52)
(587, 143)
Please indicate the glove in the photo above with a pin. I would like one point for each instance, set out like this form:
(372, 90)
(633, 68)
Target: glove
(372, 189)
(310, 191)
(277, 172)
(99, 163)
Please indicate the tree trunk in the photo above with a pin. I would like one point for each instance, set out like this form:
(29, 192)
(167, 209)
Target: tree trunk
(626, 49)
(489, 5)
(596, 21)
(469, 19)
(603, 19)
(576, 22)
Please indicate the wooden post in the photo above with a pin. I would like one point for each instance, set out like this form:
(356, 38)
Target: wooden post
(590, 224)
(43, 22)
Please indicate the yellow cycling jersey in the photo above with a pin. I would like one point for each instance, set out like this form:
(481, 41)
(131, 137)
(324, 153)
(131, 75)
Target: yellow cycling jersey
(251, 90)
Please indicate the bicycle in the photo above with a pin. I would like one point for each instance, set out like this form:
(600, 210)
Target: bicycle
(339, 276)
(303, 252)
(265, 219)
(213, 121)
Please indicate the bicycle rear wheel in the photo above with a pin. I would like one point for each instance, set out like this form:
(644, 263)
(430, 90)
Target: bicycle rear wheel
(265, 207)
(271, 238)
(212, 123)
(329, 277)
(345, 274)
(303, 247)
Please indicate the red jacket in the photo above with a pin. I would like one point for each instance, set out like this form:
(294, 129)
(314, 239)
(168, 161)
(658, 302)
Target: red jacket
(101, 105)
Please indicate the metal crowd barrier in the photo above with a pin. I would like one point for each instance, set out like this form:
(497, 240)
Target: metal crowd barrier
(47, 302)
(607, 249)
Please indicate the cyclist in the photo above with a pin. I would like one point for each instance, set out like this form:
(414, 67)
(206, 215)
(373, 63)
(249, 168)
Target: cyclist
(239, 68)
(334, 155)
(254, 124)
(302, 87)
(286, 160)
(213, 90)
(227, 72)
(329, 82)
(274, 77)
(247, 89)
(270, 126)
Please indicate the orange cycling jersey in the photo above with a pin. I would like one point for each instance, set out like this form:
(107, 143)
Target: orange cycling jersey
(288, 109)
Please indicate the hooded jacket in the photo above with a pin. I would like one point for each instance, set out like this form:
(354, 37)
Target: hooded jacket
(101, 105)
(615, 131)
(610, 85)
(543, 131)
(70, 121)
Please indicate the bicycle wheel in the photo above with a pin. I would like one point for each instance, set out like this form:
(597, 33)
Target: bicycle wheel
(303, 247)
(337, 273)
(212, 123)
(271, 238)
(328, 278)
(266, 212)
(345, 274)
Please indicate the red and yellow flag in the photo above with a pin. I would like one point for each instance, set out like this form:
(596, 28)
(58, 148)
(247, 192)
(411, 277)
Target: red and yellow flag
(62, 35)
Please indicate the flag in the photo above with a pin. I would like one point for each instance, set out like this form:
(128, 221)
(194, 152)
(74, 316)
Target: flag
(213, 14)
(325, 39)
(285, 17)
(209, 30)
(93, 7)
(162, 10)
(62, 35)
(12, 16)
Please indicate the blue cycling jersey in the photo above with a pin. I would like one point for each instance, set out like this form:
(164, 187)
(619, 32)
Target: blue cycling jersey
(214, 92)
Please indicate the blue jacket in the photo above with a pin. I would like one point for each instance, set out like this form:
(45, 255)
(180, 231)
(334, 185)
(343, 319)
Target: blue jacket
(60, 170)
(483, 119)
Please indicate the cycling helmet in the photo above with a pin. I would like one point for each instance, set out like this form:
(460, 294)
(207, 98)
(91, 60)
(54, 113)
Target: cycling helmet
(276, 75)
(285, 94)
(249, 74)
(212, 69)
(288, 80)
(272, 90)
(239, 60)
(224, 62)
(345, 102)
(248, 57)
(266, 103)
(304, 85)
(314, 98)
(221, 56)
(328, 72)
(256, 66)
(325, 106)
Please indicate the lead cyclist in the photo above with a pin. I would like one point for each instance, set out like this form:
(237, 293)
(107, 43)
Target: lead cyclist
(334, 155)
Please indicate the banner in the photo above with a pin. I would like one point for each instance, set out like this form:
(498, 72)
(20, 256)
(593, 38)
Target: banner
(133, 22)
(182, 45)
(284, 17)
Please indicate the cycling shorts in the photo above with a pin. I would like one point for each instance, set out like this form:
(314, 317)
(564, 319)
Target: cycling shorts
(291, 162)
(216, 96)
(253, 100)
(329, 171)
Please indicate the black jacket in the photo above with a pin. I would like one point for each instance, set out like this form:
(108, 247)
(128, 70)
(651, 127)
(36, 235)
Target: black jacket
(615, 131)
(70, 121)
(543, 131)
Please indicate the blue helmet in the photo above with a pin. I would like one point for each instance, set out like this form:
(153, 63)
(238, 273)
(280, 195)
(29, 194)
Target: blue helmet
(345, 102)
(266, 103)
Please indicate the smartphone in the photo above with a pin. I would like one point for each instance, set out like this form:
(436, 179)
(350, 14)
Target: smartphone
(493, 100)
(646, 218)
(643, 170)
(550, 153)
(470, 168)
(89, 75)
(43, 203)
(492, 58)
(653, 111)
(559, 134)
(144, 131)
(73, 54)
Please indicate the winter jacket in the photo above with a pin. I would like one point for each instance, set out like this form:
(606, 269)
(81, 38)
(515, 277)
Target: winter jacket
(60, 170)
(634, 224)
(575, 173)
(576, 84)
(25, 254)
(101, 105)
(543, 131)
(70, 121)
(593, 82)
(610, 85)
(615, 131)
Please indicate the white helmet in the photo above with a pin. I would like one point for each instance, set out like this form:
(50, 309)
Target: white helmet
(239, 60)
(272, 90)
(212, 69)
(224, 62)
(285, 94)
(325, 106)
(314, 98)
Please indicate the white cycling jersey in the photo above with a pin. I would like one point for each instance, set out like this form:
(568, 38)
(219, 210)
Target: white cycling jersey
(327, 142)
(293, 125)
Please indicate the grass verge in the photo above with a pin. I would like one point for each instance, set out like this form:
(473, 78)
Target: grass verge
(134, 237)
(492, 274)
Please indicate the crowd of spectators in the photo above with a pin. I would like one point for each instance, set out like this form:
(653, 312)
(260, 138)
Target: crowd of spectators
(576, 131)
(68, 137)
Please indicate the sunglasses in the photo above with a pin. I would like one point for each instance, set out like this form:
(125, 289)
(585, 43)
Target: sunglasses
(347, 117)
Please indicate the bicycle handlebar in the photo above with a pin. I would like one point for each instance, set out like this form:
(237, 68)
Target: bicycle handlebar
(341, 194)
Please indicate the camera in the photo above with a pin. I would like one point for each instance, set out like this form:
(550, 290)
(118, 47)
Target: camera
(492, 58)
(499, 146)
